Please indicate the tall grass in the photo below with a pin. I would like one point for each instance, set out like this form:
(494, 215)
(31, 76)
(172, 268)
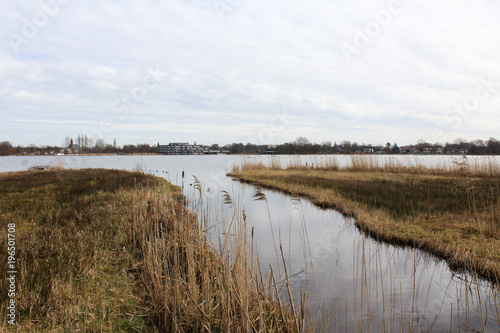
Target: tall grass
(194, 287)
(458, 165)
(72, 266)
(105, 250)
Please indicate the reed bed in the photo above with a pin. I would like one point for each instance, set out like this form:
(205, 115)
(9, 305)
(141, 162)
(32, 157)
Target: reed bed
(192, 286)
(450, 210)
(446, 165)
(106, 250)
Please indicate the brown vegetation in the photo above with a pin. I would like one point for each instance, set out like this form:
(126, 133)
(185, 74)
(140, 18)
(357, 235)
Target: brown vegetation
(104, 250)
(451, 212)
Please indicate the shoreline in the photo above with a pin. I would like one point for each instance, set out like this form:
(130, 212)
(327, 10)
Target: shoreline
(479, 254)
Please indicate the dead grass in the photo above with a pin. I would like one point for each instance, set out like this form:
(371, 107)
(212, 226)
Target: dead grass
(452, 213)
(105, 251)
(457, 165)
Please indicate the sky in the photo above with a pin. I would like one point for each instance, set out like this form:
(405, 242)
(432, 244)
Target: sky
(265, 72)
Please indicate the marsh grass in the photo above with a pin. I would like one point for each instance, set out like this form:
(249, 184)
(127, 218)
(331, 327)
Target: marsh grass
(104, 250)
(192, 286)
(456, 165)
(451, 211)
(71, 257)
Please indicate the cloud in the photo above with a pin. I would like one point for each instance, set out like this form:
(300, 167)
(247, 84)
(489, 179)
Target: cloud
(224, 77)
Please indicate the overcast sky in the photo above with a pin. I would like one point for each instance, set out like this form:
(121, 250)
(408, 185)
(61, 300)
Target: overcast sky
(240, 70)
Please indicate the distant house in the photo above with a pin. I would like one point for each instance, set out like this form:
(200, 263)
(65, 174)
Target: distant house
(368, 150)
(271, 151)
(415, 150)
(338, 150)
(427, 150)
(439, 150)
(265, 148)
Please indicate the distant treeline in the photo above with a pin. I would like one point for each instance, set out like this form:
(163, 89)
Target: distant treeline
(81, 145)
(303, 146)
(85, 145)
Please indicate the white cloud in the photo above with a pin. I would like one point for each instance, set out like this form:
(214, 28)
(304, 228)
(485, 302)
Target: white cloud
(225, 79)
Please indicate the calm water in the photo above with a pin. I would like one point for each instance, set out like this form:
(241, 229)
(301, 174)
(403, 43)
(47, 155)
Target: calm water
(351, 278)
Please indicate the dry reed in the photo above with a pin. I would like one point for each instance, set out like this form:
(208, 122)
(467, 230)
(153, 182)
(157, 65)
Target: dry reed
(107, 250)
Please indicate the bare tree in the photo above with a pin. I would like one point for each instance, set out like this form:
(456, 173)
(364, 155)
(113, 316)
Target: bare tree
(301, 141)
(100, 145)
(459, 141)
(66, 142)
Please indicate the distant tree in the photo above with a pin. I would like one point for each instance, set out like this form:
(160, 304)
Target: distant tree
(100, 145)
(346, 146)
(236, 148)
(129, 149)
(301, 141)
(287, 148)
(145, 148)
(66, 142)
(6, 148)
(327, 144)
(251, 148)
(109, 149)
(493, 146)
(479, 143)
(421, 144)
(459, 141)
(32, 148)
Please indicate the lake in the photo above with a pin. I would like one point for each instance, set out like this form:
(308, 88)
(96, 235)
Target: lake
(353, 282)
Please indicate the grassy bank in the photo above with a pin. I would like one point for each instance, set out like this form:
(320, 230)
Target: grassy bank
(453, 213)
(109, 251)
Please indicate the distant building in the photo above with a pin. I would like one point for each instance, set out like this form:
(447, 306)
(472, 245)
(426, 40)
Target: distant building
(181, 148)
(271, 151)
(415, 150)
(184, 148)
